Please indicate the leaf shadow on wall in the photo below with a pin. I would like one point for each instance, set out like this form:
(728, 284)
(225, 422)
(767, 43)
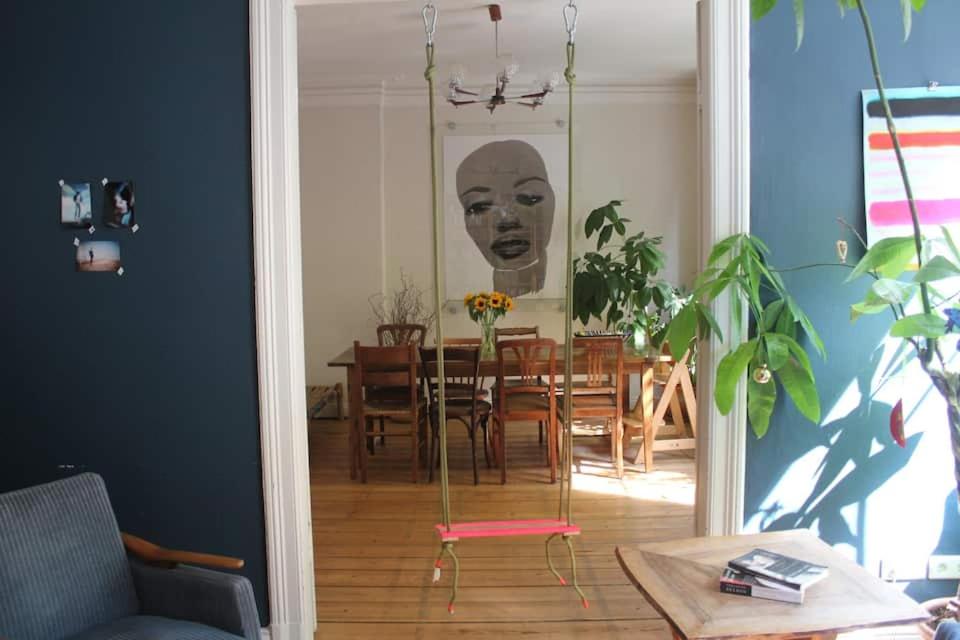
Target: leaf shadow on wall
(861, 456)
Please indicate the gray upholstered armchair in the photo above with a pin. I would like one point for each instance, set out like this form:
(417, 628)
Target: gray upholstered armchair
(65, 575)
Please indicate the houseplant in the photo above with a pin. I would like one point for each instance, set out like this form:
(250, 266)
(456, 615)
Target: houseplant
(619, 286)
(923, 315)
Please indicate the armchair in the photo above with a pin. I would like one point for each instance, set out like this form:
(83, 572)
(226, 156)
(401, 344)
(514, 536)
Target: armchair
(65, 574)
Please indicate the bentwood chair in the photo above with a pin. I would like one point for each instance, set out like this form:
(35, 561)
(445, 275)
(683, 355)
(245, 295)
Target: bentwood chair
(529, 396)
(385, 388)
(600, 394)
(463, 401)
(400, 334)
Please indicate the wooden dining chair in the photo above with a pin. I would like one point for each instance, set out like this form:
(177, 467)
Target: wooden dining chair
(519, 332)
(530, 396)
(399, 334)
(463, 401)
(600, 394)
(385, 388)
(515, 332)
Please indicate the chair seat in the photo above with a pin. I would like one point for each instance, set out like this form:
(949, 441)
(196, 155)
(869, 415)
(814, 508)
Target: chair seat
(153, 628)
(527, 402)
(460, 408)
(390, 407)
(463, 390)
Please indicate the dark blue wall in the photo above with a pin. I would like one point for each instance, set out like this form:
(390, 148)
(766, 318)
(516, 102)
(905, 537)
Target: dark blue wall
(807, 170)
(150, 378)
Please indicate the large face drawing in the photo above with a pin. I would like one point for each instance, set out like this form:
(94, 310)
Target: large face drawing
(508, 203)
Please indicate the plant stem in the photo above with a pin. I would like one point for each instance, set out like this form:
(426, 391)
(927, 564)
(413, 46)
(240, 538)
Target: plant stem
(812, 265)
(892, 128)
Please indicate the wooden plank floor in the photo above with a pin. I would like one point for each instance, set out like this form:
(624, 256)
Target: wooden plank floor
(375, 544)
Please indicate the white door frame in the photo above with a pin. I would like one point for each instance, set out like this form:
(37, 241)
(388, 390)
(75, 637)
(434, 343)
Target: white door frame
(279, 292)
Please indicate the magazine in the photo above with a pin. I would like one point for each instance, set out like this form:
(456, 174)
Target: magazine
(784, 570)
(745, 584)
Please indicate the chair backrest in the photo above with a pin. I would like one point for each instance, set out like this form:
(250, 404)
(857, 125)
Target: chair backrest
(393, 368)
(513, 332)
(400, 334)
(63, 568)
(534, 357)
(461, 369)
(604, 364)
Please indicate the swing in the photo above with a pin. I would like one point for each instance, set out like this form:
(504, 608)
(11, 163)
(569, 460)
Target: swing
(451, 532)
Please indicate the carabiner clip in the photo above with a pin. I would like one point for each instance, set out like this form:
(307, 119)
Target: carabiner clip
(570, 13)
(429, 15)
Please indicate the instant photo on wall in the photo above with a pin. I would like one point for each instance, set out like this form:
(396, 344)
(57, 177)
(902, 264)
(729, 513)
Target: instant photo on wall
(98, 255)
(75, 205)
(118, 205)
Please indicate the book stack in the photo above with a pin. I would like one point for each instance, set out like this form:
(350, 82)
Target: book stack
(769, 575)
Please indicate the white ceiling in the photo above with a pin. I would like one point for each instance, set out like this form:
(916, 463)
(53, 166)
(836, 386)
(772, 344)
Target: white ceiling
(619, 42)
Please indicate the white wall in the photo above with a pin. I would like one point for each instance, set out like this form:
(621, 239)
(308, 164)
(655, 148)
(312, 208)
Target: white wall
(341, 231)
(641, 149)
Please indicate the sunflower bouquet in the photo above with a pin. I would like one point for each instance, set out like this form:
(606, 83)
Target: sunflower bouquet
(485, 309)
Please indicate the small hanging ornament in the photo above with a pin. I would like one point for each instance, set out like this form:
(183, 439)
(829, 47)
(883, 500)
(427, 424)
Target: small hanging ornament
(842, 251)
(896, 424)
(762, 375)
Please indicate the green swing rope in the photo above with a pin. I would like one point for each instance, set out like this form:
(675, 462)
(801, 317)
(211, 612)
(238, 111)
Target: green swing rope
(429, 15)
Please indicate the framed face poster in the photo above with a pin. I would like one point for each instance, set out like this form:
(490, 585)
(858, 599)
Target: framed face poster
(504, 204)
(928, 125)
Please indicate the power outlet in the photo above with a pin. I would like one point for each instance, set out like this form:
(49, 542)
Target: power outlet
(943, 568)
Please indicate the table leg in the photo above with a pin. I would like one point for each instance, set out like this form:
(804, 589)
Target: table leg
(646, 397)
(352, 426)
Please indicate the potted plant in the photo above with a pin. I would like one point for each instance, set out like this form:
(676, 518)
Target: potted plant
(485, 309)
(619, 286)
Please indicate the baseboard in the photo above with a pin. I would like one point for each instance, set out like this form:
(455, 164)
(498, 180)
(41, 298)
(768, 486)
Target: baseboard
(286, 632)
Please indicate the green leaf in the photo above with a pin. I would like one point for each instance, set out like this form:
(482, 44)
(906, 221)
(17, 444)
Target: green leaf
(760, 8)
(799, 20)
(594, 222)
(891, 291)
(938, 268)
(799, 384)
(918, 5)
(778, 352)
(808, 327)
(906, 14)
(611, 213)
(889, 257)
(866, 308)
(924, 325)
(787, 324)
(620, 227)
(683, 329)
(950, 243)
(605, 234)
(706, 318)
(721, 249)
(760, 401)
(771, 314)
(729, 371)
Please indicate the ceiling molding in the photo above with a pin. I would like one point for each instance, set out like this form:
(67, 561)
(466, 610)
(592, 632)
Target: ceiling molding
(411, 96)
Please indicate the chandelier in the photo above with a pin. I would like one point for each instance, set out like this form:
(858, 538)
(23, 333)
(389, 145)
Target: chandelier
(458, 96)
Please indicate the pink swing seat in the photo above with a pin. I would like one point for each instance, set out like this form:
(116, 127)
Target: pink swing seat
(503, 528)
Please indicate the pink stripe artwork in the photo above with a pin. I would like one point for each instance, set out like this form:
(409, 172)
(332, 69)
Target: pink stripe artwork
(932, 212)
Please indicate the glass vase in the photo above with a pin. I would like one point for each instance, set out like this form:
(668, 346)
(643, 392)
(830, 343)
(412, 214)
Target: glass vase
(488, 340)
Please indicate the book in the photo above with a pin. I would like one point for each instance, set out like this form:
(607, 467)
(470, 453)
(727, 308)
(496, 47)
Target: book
(781, 569)
(745, 584)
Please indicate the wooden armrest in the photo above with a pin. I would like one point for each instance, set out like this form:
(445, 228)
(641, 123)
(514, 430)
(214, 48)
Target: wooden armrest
(151, 553)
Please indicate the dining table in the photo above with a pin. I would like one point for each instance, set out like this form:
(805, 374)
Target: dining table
(644, 415)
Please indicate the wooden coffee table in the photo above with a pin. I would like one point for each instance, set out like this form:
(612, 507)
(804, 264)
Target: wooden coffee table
(680, 578)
